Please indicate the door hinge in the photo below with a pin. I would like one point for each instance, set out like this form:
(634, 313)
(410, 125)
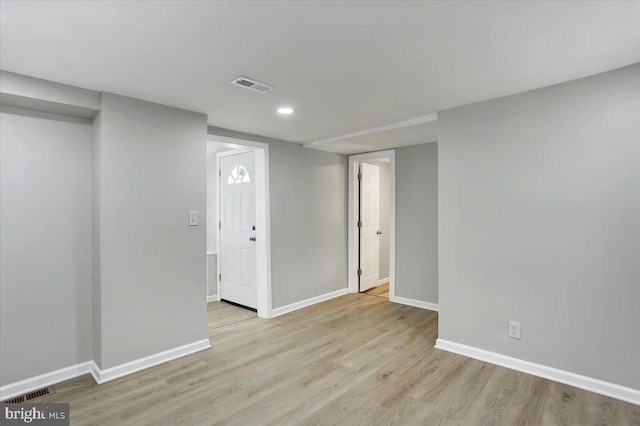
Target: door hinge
(219, 172)
(359, 224)
(219, 225)
(359, 272)
(359, 176)
(219, 277)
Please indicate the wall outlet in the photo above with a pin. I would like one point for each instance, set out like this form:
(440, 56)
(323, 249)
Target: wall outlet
(514, 330)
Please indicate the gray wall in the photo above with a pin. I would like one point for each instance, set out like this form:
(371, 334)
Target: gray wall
(212, 225)
(95, 231)
(45, 245)
(152, 265)
(35, 94)
(308, 219)
(212, 202)
(385, 209)
(417, 222)
(540, 223)
(212, 274)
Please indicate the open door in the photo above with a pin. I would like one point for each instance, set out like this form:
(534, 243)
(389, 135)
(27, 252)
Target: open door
(238, 230)
(369, 225)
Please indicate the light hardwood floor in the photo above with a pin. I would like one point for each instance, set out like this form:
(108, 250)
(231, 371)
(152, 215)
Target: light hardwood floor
(352, 360)
(379, 291)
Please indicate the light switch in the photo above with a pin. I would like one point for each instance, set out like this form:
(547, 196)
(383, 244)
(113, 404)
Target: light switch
(193, 218)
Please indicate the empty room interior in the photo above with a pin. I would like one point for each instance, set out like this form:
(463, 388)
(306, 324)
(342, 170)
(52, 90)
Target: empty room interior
(366, 212)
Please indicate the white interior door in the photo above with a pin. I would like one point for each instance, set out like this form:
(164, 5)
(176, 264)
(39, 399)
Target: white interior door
(370, 226)
(237, 229)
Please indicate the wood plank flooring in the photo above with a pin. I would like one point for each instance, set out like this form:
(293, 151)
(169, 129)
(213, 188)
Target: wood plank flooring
(379, 291)
(221, 314)
(352, 360)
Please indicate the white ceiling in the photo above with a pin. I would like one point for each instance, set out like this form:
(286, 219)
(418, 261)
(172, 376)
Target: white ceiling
(344, 66)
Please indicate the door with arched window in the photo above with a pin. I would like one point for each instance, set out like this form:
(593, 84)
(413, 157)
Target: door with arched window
(237, 230)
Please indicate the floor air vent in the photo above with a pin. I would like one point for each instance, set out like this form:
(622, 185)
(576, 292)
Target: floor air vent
(28, 397)
(247, 83)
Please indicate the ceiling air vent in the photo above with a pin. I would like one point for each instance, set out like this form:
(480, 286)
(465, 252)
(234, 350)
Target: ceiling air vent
(247, 83)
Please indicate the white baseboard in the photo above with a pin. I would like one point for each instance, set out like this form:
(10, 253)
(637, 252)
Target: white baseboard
(100, 376)
(416, 303)
(214, 298)
(308, 302)
(42, 381)
(383, 281)
(106, 375)
(583, 382)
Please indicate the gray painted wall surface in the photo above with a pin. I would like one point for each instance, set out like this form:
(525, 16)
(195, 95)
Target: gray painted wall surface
(45, 245)
(308, 222)
(45, 90)
(212, 274)
(540, 223)
(417, 222)
(385, 199)
(212, 203)
(95, 253)
(152, 265)
(42, 95)
(308, 219)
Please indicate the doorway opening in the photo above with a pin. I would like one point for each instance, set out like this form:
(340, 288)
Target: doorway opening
(238, 234)
(371, 223)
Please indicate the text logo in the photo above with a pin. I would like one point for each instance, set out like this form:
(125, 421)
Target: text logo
(44, 414)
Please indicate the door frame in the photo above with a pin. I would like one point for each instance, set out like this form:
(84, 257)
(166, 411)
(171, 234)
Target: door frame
(352, 218)
(263, 222)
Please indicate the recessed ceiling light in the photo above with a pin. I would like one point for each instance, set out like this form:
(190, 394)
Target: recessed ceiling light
(285, 110)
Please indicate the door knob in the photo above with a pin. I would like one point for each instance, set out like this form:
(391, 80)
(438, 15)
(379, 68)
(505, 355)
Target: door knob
(379, 232)
(252, 238)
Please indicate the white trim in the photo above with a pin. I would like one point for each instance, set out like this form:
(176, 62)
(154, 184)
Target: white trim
(383, 281)
(42, 381)
(308, 302)
(214, 298)
(397, 125)
(583, 382)
(263, 221)
(232, 152)
(94, 371)
(352, 218)
(417, 303)
(100, 376)
(106, 375)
